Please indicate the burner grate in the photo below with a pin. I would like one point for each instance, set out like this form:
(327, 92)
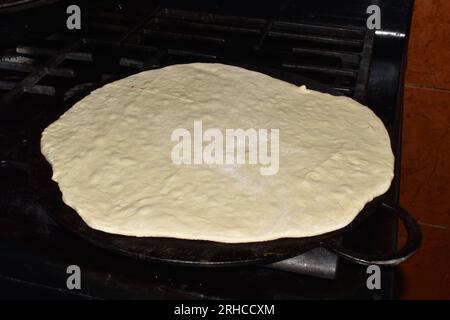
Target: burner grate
(117, 42)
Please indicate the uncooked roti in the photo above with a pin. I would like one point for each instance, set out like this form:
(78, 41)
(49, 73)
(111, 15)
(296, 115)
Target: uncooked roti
(112, 157)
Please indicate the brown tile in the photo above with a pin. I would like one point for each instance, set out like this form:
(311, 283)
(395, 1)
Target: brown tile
(426, 275)
(429, 45)
(425, 179)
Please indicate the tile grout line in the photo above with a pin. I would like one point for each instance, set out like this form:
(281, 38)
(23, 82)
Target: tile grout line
(425, 87)
(434, 225)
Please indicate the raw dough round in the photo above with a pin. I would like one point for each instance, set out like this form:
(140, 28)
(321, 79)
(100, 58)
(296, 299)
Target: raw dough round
(111, 156)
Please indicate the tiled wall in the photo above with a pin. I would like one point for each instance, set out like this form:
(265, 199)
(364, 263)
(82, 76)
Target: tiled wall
(425, 181)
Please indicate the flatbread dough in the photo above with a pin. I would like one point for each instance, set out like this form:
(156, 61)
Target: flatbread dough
(110, 155)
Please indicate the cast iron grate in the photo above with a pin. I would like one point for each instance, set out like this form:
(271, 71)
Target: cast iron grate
(113, 44)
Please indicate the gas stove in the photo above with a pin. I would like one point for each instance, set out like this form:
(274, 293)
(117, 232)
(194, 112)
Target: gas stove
(45, 69)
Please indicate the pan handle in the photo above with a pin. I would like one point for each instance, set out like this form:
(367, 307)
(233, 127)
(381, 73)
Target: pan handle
(412, 243)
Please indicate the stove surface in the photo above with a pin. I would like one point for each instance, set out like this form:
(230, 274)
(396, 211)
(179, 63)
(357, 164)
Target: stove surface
(44, 72)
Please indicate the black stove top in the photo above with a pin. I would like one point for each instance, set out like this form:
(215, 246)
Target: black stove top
(43, 70)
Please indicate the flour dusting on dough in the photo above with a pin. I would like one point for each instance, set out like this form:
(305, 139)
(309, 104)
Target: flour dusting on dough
(110, 155)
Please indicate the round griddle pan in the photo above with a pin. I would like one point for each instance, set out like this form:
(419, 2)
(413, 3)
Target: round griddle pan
(210, 253)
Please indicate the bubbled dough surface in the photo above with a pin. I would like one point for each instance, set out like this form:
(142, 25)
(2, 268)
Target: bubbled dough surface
(110, 155)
